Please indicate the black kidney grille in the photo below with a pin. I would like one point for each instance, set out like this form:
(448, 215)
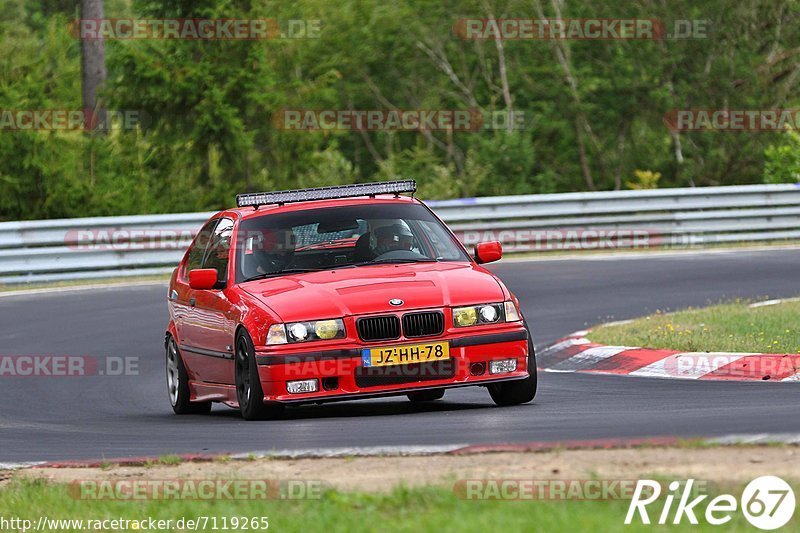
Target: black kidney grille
(423, 324)
(378, 328)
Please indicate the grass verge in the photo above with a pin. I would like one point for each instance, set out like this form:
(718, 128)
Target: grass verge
(419, 509)
(729, 327)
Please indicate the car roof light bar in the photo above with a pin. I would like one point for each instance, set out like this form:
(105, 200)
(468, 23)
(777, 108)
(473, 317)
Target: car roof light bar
(326, 193)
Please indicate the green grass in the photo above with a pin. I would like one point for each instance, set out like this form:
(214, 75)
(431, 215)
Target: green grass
(164, 460)
(730, 327)
(425, 509)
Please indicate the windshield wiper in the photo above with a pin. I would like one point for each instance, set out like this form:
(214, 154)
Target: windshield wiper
(333, 267)
(282, 272)
(390, 261)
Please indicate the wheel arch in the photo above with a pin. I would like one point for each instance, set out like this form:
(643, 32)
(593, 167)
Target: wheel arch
(238, 329)
(172, 331)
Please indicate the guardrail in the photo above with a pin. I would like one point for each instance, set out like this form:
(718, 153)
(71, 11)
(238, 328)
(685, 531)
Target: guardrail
(83, 248)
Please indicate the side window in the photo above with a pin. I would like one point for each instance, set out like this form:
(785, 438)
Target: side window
(198, 249)
(219, 249)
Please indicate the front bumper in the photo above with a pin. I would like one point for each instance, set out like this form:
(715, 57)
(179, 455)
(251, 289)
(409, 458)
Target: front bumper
(341, 376)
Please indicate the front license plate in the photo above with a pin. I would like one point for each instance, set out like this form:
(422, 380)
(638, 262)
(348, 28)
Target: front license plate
(405, 355)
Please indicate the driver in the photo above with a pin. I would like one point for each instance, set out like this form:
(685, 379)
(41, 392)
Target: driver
(397, 236)
(274, 250)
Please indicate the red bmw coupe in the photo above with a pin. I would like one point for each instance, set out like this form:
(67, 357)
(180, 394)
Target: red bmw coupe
(339, 293)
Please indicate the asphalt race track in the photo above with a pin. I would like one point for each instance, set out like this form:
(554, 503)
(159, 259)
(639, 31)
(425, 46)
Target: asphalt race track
(54, 418)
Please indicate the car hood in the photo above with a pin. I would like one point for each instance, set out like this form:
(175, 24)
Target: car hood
(368, 289)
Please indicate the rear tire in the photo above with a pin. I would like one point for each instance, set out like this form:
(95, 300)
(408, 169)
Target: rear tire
(178, 384)
(518, 391)
(426, 396)
(248, 383)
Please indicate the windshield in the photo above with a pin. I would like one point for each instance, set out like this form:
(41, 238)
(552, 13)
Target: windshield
(336, 237)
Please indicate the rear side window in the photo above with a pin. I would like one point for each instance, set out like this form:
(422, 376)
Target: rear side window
(197, 251)
(219, 250)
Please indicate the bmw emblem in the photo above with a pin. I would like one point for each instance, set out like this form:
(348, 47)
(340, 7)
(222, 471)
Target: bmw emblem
(395, 301)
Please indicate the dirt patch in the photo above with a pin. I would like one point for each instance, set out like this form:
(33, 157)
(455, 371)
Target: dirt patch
(380, 474)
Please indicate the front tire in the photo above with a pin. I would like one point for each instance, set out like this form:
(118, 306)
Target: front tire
(248, 383)
(518, 391)
(178, 384)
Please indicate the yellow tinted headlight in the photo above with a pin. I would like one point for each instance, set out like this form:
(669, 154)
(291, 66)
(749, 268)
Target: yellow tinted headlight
(326, 329)
(465, 316)
(316, 330)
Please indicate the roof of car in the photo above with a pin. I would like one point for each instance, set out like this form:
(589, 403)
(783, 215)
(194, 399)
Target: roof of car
(250, 212)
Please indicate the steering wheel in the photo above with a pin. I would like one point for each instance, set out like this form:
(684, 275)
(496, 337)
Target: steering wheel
(272, 263)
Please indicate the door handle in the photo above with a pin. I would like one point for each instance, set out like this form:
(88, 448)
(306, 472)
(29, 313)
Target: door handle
(192, 301)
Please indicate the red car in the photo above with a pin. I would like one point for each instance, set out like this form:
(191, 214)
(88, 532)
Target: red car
(339, 293)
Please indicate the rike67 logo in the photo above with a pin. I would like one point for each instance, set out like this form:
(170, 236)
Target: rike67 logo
(768, 502)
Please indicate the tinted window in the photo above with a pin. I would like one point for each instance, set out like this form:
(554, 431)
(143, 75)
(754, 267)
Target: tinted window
(219, 250)
(197, 251)
(319, 239)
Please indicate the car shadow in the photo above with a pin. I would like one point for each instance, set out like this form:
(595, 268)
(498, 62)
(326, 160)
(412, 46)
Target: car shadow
(365, 408)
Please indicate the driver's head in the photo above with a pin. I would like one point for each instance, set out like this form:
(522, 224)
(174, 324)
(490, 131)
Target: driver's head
(278, 241)
(394, 237)
(274, 248)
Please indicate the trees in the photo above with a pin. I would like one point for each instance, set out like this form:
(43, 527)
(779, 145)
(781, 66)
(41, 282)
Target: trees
(93, 66)
(593, 110)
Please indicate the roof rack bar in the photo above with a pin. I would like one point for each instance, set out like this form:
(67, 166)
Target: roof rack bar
(325, 193)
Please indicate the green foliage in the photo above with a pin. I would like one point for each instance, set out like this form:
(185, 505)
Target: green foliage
(434, 180)
(644, 179)
(210, 104)
(327, 167)
(783, 160)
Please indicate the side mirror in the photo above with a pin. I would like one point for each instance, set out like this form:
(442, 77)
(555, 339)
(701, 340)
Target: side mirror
(487, 252)
(202, 278)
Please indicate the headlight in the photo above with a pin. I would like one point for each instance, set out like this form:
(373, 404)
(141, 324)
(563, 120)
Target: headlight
(485, 314)
(465, 316)
(298, 332)
(477, 314)
(488, 313)
(314, 330)
(328, 329)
